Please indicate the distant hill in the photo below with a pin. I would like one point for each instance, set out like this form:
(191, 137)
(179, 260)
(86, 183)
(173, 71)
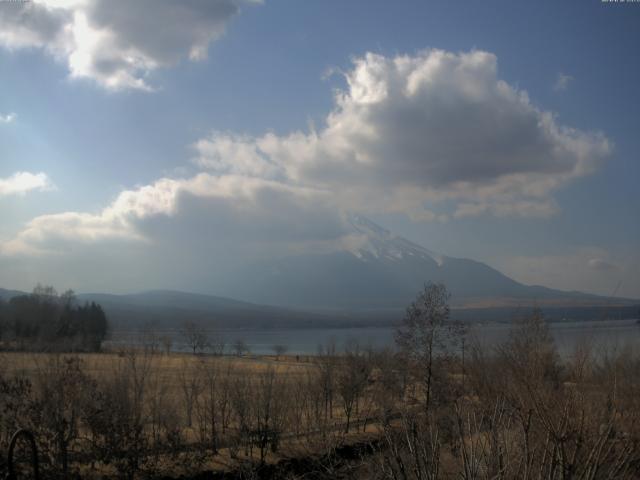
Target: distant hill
(169, 309)
(174, 299)
(6, 295)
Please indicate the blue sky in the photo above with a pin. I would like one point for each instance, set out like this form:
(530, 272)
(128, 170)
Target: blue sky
(232, 104)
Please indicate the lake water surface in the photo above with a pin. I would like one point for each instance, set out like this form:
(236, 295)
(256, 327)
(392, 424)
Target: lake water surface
(567, 335)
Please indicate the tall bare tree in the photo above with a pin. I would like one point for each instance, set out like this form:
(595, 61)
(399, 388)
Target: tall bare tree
(426, 333)
(353, 376)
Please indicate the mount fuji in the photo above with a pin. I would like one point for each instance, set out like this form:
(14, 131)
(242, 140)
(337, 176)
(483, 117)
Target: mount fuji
(385, 271)
(370, 280)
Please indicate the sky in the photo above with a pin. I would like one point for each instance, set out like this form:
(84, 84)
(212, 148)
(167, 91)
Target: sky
(161, 144)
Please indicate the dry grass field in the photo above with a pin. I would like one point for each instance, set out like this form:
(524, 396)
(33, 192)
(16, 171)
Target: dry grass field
(168, 367)
(194, 412)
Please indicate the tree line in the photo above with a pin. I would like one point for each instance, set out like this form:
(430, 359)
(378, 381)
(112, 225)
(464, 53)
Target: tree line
(45, 320)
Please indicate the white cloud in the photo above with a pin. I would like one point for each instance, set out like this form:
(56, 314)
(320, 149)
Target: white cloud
(22, 182)
(413, 132)
(229, 153)
(517, 208)
(7, 118)
(117, 43)
(434, 136)
(601, 264)
(240, 207)
(562, 82)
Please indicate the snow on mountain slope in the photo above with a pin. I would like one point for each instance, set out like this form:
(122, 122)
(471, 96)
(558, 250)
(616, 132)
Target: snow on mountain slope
(381, 243)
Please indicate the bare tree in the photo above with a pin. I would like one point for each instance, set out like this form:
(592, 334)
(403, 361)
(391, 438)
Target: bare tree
(224, 395)
(207, 404)
(268, 411)
(390, 385)
(217, 344)
(410, 450)
(426, 333)
(115, 415)
(149, 339)
(353, 376)
(167, 343)
(240, 347)
(61, 385)
(190, 385)
(195, 336)
(326, 360)
(279, 350)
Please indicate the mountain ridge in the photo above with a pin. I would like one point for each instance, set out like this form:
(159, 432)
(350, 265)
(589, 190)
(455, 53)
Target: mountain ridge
(369, 282)
(134, 311)
(382, 270)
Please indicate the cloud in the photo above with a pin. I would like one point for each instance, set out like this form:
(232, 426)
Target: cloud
(601, 264)
(117, 43)
(8, 118)
(223, 209)
(562, 82)
(517, 208)
(434, 136)
(22, 182)
(413, 132)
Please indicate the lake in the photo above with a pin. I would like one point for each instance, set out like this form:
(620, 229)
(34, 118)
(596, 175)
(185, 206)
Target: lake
(567, 335)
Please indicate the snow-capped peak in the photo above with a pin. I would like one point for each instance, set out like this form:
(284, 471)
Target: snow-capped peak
(380, 243)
